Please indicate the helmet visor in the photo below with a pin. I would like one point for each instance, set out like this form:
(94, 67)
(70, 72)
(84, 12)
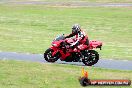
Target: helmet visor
(74, 31)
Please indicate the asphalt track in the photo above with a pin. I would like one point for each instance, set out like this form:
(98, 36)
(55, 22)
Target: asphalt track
(103, 63)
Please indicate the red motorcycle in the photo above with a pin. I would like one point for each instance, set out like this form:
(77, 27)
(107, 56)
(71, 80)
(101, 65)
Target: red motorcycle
(60, 49)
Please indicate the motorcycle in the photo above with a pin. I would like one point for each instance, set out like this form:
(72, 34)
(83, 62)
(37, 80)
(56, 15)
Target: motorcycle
(60, 49)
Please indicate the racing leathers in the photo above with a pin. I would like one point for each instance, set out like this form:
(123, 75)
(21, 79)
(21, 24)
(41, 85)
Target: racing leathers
(81, 40)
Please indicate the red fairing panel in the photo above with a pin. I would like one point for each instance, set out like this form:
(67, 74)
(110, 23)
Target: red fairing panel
(63, 55)
(55, 50)
(82, 47)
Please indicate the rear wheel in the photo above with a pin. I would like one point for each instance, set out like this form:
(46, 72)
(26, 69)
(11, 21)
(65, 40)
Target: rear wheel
(91, 57)
(48, 56)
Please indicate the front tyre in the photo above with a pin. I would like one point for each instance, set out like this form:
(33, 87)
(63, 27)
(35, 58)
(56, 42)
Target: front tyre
(90, 58)
(48, 56)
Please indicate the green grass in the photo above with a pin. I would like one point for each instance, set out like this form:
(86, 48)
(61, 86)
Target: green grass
(18, 74)
(98, 1)
(32, 28)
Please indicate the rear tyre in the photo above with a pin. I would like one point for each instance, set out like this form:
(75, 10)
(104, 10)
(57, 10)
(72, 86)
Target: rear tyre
(90, 58)
(48, 56)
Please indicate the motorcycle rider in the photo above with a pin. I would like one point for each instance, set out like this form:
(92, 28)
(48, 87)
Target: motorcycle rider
(81, 39)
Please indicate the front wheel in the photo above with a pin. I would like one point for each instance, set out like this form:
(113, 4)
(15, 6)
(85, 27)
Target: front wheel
(90, 58)
(48, 56)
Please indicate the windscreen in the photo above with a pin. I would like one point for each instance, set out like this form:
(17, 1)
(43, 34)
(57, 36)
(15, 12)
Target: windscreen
(61, 37)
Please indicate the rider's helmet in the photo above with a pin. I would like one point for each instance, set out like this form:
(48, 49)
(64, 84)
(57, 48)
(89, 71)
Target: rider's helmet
(76, 28)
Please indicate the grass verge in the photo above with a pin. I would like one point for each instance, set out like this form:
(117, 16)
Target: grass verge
(18, 74)
(93, 1)
(31, 28)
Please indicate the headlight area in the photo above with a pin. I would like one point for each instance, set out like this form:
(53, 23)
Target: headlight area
(55, 45)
